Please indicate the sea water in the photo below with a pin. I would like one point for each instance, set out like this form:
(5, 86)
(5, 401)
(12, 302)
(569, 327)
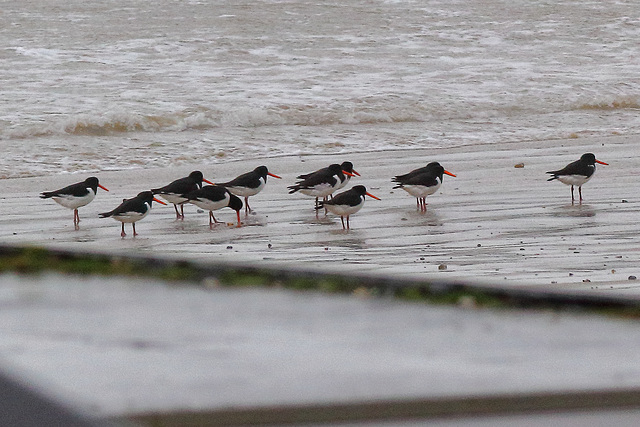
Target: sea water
(122, 84)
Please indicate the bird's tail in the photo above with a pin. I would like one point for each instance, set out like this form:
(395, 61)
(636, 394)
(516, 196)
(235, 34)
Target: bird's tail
(105, 214)
(293, 188)
(46, 195)
(553, 177)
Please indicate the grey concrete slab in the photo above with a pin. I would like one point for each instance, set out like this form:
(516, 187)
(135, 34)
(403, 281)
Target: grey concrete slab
(122, 346)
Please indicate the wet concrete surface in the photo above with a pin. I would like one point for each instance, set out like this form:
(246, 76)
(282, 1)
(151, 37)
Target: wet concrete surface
(120, 346)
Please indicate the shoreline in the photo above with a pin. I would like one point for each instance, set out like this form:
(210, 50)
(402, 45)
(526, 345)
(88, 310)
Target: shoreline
(493, 224)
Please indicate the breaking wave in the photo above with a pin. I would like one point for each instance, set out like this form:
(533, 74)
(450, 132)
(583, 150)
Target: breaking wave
(202, 119)
(619, 103)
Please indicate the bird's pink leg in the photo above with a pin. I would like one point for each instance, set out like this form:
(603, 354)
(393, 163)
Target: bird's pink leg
(342, 219)
(134, 229)
(238, 214)
(580, 192)
(177, 212)
(122, 233)
(247, 208)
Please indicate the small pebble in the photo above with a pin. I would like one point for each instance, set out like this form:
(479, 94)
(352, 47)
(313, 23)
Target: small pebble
(586, 281)
(625, 201)
(479, 245)
(229, 247)
(518, 165)
(442, 267)
(269, 246)
(632, 277)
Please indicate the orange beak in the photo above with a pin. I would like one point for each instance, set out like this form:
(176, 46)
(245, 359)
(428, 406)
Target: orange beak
(602, 163)
(449, 173)
(355, 172)
(104, 188)
(371, 195)
(207, 181)
(348, 173)
(275, 176)
(159, 201)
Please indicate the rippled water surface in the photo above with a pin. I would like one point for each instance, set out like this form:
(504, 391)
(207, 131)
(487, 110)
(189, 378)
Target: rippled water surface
(131, 84)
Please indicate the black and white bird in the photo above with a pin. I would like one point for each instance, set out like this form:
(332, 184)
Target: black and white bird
(321, 183)
(132, 210)
(249, 184)
(346, 167)
(347, 203)
(422, 182)
(577, 173)
(174, 192)
(75, 196)
(214, 197)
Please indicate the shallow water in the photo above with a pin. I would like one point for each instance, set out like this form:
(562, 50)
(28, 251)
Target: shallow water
(120, 84)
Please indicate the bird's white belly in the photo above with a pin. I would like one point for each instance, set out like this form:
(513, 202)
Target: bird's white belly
(130, 217)
(421, 190)
(176, 199)
(246, 191)
(574, 179)
(210, 205)
(320, 190)
(75, 202)
(344, 210)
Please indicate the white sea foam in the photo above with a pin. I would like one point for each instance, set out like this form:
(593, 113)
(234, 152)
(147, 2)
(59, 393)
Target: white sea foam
(181, 82)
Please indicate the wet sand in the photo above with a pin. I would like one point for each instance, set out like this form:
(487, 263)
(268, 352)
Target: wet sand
(494, 224)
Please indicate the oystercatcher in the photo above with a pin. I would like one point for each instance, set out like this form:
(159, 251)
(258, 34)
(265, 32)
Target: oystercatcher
(321, 183)
(249, 184)
(422, 182)
(174, 191)
(132, 210)
(75, 196)
(214, 197)
(346, 167)
(577, 173)
(347, 203)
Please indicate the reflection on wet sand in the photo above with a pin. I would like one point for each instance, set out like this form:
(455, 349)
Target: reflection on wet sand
(576, 210)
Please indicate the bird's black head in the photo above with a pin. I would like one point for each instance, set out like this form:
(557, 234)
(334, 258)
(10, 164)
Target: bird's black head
(347, 166)
(588, 158)
(438, 170)
(145, 196)
(359, 189)
(92, 182)
(197, 176)
(235, 203)
(261, 171)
